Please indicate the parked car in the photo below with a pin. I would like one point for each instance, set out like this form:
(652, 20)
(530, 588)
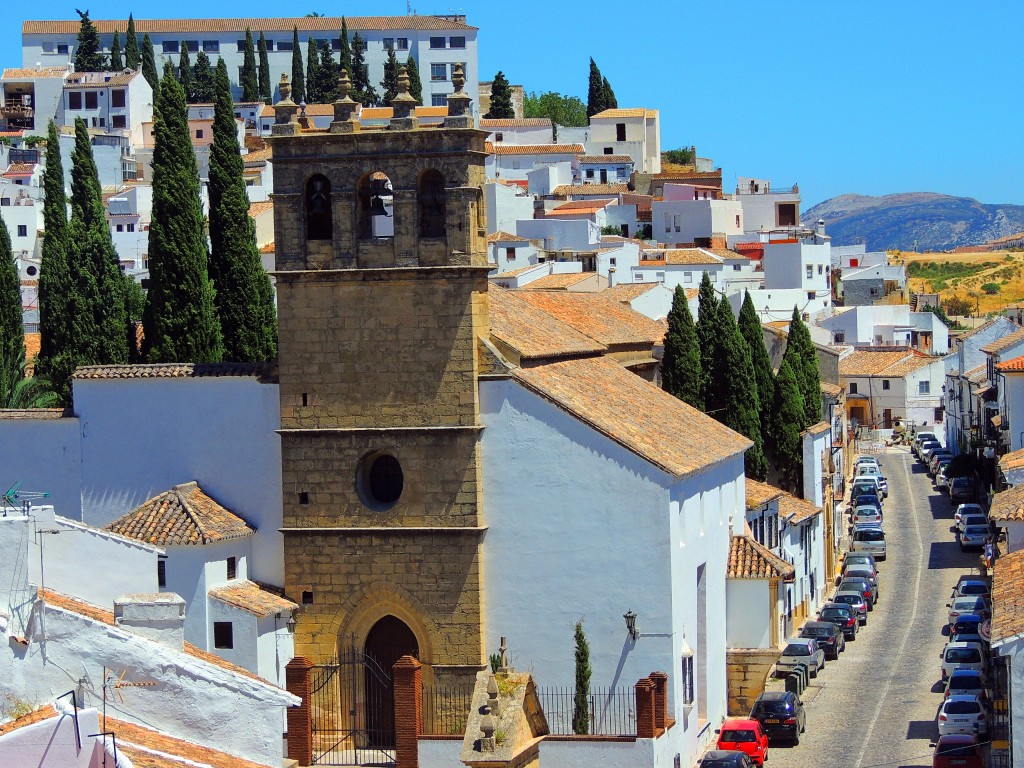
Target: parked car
(867, 484)
(827, 635)
(970, 519)
(844, 616)
(941, 480)
(968, 586)
(864, 586)
(967, 509)
(867, 460)
(726, 758)
(866, 514)
(966, 682)
(781, 715)
(930, 450)
(961, 489)
(967, 604)
(744, 734)
(859, 557)
(863, 572)
(958, 750)
(967, 624)
(856, 601)
(866, 500)
(800, 651)
(920, 437)
(962, 714)
(935, 459)
(870, 540)
(974, 537)
(924, 443)
(962, 656)
(868, 470)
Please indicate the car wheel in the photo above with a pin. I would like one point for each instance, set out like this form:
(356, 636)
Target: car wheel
(796, 740)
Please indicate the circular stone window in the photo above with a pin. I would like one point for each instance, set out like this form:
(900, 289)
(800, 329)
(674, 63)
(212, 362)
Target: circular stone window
(380, 480)
(31, 271)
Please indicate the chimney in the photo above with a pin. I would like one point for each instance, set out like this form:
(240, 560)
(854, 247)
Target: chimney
(158, 616)
(611, 276)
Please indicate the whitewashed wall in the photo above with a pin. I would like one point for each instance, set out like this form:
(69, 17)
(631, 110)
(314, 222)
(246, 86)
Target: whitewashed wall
(244, 635)
(275, 648)
(748, 615)
(53, 743)
(45, 456)
(191, 572)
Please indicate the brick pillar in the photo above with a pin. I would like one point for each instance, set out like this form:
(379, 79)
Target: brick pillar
(300, 718)
(408, 711)
(644, 691)
(660, 680)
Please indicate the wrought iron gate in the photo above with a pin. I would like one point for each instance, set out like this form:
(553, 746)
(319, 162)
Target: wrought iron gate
(352, 707)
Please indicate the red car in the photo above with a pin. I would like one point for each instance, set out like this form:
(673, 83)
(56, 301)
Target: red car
(745, 735)
(958, 750)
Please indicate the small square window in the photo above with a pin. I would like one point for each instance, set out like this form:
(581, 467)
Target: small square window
(924, 387)
(609, 150)
(62, 49)
(303, 495)
(192, 46)
(438, 100)
(285, 45)
(118, 121)
(810, 296)
(590, 173)
(241, 46)
(389, 42)
(510, 254)
(735, 267)
(456, 42)
(22, 230)
(687, 277)
(403, 43)
(120, 227)
(499, 136)
(223, 635)
(307, 597)
(199, 133)
(74, 100)
(853, 388)
(885, 384)
(810, 271)
(211, 46)
(438, 71)
(437, 42)
(270, 45)
(5, 201)
(232, 568)
(92, 100)
(117, 98)
(130, 227)
(171, 46)
(820, 269)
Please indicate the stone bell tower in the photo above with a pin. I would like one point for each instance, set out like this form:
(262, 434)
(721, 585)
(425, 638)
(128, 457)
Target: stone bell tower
(382, 295)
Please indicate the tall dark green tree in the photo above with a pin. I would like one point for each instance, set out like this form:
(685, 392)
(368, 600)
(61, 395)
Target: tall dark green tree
(733, 377)
(412, 69)
(595, 91)
(249, 80)
(681, 372)
(57, 356)
(98, 309)
(312, 73)
(202, 80)
(784, 438)
(707, 307)
(243, 293)
(266, 87)
(149, 65)
(12, 332)
(185, 73)
(804, 361)
(501, 99)
(363, 91)
(179, 321)
(750, 327)
(389, 85)
(610, 102)
(327, 74)
(345, 49)
(298, 75)
(132, 57)
(581, 695)
(116, 62)
(88, 51)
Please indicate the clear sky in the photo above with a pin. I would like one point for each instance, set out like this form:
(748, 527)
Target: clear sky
(838, 95)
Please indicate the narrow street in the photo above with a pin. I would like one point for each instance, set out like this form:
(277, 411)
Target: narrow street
(876, 705)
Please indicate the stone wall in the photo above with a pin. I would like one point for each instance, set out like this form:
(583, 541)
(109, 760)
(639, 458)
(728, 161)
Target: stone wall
(747, 673)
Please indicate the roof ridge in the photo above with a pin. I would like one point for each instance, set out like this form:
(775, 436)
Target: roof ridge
(186, 505)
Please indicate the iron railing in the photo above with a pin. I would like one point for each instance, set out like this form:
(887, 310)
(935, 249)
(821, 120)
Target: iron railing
(445, 709)
(612, 711)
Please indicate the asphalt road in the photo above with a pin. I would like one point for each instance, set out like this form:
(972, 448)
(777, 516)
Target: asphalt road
(876, 706)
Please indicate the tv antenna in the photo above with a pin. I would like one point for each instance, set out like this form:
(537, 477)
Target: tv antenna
(15, 498)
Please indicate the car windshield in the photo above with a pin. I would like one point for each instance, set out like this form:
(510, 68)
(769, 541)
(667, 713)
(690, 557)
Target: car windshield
(956, 750)
(860, 574)
(867, 500)
(976, 530)
(974, 588)
(962, 707)
(796, 649)
(971, 604)
(976, 520)
(848, 599)
(777, 707)
(965, 509)
(963, 656)
(868, 534)
(735, 735)
(961, 682)
(831, 614)
(816, 632)
(718, 762)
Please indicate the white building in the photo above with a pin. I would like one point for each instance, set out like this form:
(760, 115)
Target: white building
(765, 210)
(523, 130)
(686, 215)
(118, 103)
(510, 252)
(604, 169)
(632, 132)
(30, 97)
(888, 325)
(513, 162)
(882, 386)
(507, 203)
(436, 42)
(654, 300)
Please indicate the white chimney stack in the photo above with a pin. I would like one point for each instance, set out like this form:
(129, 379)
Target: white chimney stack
(158, 616)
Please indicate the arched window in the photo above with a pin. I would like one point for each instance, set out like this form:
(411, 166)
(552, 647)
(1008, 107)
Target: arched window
(432, 204)
(319, 223)
(376, 206)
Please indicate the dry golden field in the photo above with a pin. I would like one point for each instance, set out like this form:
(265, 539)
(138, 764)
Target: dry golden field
(990, 280)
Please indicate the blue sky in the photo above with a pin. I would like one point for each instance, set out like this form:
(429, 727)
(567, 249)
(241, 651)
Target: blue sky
(838, 96)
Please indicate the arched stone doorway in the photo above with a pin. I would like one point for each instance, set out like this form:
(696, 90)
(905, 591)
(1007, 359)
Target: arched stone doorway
(388, 640)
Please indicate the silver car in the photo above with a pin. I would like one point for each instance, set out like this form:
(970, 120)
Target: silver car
(967, 509)
(968, 604)
(800, 651)
(974, 536)
(972, 518)
(856, 601)
(870, 540)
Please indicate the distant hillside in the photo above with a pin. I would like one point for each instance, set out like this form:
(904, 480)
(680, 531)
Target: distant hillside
(935, 222)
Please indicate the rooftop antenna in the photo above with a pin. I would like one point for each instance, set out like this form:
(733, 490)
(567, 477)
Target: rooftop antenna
(14, 497)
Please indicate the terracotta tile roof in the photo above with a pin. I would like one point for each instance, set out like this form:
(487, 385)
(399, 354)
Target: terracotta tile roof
(1008, 597)
(505, 237)
(1003, 342)
(864, 362)
(832, 390)
(635, 413)
(44, 712)
(304, 24)
(559, 281)
(602, 319)
(17, 73)
(750, 560)
(1008, 505)
(759, 493)
(693, 256)
(268, 248)
(909, 366)
(90, 80)
(171, 370)
(182, 515)
(519, 122)
(977, 375)
(251, 597)
(1012, 460)
(817, 429)
(1015, 365)
(20, 169)
(580, 207)
(258, 209)
(257, 156)
(534, 333)
(603, 159)
(796, 509)
(386, 113)
(517, 272)
(626, 292)
(579, 190)
(611, 113)
(147, 748)
(533, 149)
(727, 253)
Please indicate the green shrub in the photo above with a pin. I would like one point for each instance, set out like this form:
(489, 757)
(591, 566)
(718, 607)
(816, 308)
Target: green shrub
(990, 288)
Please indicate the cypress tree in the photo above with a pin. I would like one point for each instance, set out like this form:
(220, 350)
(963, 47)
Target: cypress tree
(185, 74)
(327, 74)
(12, 332)
(501, 99)
(312, 72)
(750, 327)
(116, 64)
(581, 695)
(804, 361)
(202, 80)
(99, 303)
(707, 306)
(88, 51)
(132, 58)
(266, 87)
(681, 373)
(363, 92)
(784, 437)
(345, 49)
(179, 319)
(595, 91)
(298, 76)
(734, 377)
(415, 84)
(149, 66)
(249, 82)
(390, 82)
(610, 102)
(243, 293)
(57, 356)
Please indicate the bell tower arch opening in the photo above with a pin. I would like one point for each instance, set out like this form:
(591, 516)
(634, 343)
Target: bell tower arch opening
(319, 219)
(433, 209)
(388, 640)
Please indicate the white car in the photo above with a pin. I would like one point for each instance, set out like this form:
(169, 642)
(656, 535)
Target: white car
(962, 655)
(864, 461)
(873, 470)
(962, 714)
(970, 518)
(800, 651)
(967, 509)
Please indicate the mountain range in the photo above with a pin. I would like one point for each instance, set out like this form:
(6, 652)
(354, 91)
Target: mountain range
(922, 221)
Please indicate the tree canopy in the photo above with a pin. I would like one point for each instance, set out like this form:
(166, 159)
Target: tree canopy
(88, 50)
(501, 99)
(362, 90)
(569, 111)
(298, 76)
(787, 415)
(132, 57)
(389, 85)
(248, 78)
(149, 66)
(415, 84)
(116, 63)
(753, 333)
(803, 359)
(707, 306)
(265, 85)
(202, 80)
(681, 373)
(600, 95)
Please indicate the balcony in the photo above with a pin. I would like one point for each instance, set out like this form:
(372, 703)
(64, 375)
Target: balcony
(15, 110)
